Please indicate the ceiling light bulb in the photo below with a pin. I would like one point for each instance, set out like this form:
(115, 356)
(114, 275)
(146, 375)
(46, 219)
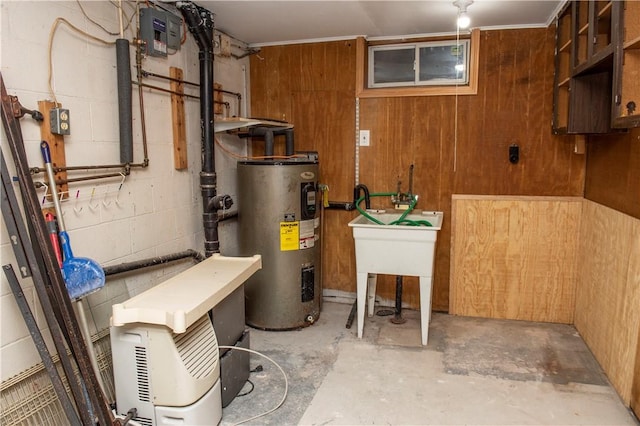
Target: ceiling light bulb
(463, 20)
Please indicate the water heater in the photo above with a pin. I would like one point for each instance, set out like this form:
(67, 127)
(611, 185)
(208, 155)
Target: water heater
(279, 219)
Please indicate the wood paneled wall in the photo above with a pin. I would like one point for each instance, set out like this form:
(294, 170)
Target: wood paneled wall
(608, 293)
(515, 257)
(456, 144)
(613, 171)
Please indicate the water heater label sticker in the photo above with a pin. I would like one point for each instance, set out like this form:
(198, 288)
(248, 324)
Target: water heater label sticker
(289, 236)
(307, 239)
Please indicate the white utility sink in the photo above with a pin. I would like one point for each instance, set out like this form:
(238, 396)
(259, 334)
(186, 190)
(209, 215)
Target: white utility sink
(396, 250)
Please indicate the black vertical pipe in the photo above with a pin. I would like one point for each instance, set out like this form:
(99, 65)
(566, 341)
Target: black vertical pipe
(200, 23)
(356, 195)
(397, 318)
(125, 115)
(288, 135)
(206, 109)
(208, 178)
(269, 134)
(398, 296)
(268, 143)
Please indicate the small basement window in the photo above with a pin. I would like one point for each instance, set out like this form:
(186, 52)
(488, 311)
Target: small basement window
(436, 63)
(422, 67)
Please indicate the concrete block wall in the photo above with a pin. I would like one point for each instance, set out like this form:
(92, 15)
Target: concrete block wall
(153, 211)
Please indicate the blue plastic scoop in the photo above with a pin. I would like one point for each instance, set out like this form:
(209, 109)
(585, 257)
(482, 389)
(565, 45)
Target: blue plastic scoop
(82, 276)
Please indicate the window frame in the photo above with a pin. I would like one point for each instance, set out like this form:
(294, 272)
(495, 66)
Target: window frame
(418, 64)
(362, 70)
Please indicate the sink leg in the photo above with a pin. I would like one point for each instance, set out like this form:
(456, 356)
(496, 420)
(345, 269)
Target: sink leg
(361, 296)
(372, 280)
(425, 307)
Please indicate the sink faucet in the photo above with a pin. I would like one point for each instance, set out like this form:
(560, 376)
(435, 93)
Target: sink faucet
(403, 200)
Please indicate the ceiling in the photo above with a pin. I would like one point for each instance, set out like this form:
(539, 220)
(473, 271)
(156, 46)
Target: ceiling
(278, 22)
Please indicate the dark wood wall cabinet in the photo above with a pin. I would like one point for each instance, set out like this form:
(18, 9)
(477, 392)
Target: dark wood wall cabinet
(597, 81)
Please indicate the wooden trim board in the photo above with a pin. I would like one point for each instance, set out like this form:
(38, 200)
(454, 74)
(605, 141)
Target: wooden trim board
(56, 147)
(178, 120)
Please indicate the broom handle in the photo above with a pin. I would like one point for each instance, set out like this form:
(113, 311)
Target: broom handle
(46, 154)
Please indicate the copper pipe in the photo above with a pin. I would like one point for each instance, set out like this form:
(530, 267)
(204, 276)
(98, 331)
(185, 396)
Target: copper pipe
(177, 80)
(161, 89)
(152, 74)
(140, 96)
(37, 170)
(80, 179)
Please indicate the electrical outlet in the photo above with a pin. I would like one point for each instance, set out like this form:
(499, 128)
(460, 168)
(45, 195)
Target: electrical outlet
(59, 121)
(365, 138)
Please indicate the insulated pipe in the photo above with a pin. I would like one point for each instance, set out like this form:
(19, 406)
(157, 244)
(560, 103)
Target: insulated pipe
(125, 115)
(288, 135)
(268, 143)
(145, 263)
(200, 23)
(348, 206)
(367, 197)
(269, 133)
(341, 205)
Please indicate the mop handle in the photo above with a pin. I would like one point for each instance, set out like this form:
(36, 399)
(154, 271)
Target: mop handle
(46, 154)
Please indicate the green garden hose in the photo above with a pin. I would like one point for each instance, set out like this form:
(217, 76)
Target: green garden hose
(402, 220)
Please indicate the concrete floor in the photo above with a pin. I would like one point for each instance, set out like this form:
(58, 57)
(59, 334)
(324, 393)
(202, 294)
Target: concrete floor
(473, 371)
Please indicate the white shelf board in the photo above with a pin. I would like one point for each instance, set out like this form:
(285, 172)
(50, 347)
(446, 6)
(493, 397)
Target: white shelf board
(183, 299)
(226, 124)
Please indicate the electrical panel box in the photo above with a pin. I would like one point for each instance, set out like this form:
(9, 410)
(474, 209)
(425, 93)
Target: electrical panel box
(153, 31)
(174, 31)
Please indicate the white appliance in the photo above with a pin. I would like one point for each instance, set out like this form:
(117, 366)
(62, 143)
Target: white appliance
(164, 348)
(169, 378)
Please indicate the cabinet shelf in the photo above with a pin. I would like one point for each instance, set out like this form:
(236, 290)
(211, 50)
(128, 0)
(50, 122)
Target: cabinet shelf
(565, 47)
(605, 11)
(600, 60)
(627, 121)
(632, 44)
(584, 29)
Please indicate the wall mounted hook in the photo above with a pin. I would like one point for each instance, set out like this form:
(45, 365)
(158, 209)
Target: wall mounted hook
(93, 207)
(75, 206)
